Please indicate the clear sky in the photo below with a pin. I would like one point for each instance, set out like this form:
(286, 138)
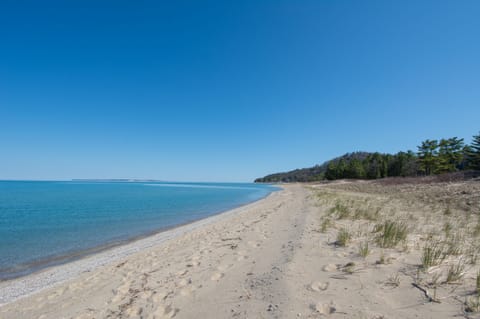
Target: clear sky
(228, 90)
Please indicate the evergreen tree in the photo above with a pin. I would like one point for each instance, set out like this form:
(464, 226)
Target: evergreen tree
(410, 167)
(402, 164)
(355, 169)
(433, 157)
(450, 155)
(341, 169)
(474, 153)
(427, 156)
(375, 167)
(331, 172)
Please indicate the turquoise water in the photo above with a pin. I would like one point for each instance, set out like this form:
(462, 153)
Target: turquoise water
(46, 223)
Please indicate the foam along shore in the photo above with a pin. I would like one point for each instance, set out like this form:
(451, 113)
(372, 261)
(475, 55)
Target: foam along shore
(280, 257)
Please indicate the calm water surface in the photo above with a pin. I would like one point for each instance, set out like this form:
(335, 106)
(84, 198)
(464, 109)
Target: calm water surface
(46, 223)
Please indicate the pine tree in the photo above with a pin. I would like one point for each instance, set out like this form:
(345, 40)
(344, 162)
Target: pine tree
(410, 167)
(375, 166)
(427, 156)
(355, 169)
(450, 155)
(331, 172)
(474, 153)
(402, 164)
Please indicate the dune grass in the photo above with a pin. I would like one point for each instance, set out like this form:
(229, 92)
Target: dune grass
(341, 210)
(363, 249)
(343, 237)
(478, 283)
(326, 223)
(455, 272)
(390, 233)
(433, 254)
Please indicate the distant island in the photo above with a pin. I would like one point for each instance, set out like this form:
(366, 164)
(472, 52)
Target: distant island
(433, 157)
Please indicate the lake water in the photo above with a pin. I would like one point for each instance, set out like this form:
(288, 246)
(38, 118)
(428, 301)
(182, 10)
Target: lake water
(46, 223)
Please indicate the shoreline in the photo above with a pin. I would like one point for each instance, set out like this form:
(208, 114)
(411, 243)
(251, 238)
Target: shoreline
(308, 251)
(46, 263)
(13, 289)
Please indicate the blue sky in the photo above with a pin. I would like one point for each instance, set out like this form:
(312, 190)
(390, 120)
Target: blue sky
(228, 90)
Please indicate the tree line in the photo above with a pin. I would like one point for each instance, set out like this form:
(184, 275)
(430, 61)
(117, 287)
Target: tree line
(432, 157)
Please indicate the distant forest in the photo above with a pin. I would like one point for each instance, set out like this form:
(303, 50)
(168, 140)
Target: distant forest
(432, 157)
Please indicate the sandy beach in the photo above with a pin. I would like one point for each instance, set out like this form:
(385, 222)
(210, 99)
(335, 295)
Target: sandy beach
(281, 257)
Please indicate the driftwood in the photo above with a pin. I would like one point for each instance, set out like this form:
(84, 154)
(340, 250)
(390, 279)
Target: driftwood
(425, 291)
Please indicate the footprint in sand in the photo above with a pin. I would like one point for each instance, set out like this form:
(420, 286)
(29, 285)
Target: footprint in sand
(39, 299)
(164, 312)
(188, 290)
(145, 295)
(216, 276)
(241, 255)
(223, 268)
(185, 291)
(159, 296)
(184, 282)
(324, 308)
(133, 311)
(253, 244)
(74, 287)
(319, 286)
(123, 289)
(329, 268)
(120, 293)
(52, 296)
(116, 299)
(181, 272)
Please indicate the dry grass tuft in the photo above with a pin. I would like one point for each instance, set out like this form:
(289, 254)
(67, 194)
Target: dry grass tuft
(478, 283)
(432, 255)
(326, 223)
(455, 272)
(390, 233)
(476, 229)
(363, 249)
(472, 304)
(393, 280)
(343, 237)
(341, 210)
